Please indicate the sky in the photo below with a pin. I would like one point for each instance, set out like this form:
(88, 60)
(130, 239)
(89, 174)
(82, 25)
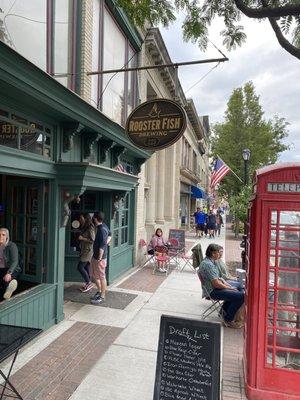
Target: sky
(274, 72)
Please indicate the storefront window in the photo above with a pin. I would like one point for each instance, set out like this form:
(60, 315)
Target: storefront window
(25, 28)
(121, 220)
(41, 31)
(62, 41)
(113, 93)
(25, 134)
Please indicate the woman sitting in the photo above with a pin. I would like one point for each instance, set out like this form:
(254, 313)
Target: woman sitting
(9, 265)
(157, 241)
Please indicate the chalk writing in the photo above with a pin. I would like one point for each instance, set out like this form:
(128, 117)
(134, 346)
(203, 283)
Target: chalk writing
(188, 360)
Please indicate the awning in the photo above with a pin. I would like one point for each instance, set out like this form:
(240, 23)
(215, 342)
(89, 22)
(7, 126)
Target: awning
(198, 193)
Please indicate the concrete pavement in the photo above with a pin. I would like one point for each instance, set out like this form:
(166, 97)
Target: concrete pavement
(124, 369)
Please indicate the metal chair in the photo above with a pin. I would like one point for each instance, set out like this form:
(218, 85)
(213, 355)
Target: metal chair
(161, 256)
(174, 250)
(215, 305)
(187, 261)
(149, 257)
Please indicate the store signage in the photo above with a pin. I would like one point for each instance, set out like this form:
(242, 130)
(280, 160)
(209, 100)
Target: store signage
(156, 124)
(11, 133)
(188, 360)
(284, 187)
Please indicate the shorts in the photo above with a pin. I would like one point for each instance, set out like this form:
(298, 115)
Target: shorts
(98, 268)
(200, 227)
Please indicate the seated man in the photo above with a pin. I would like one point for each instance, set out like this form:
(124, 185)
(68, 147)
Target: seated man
(218, 288)
(9, 265)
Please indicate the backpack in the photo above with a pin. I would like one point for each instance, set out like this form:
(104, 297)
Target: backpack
(197, 255)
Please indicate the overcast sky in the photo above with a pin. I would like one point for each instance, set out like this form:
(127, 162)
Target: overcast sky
(274, 72)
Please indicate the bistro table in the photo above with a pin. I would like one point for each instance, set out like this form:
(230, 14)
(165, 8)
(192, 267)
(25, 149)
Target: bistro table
(12, 338)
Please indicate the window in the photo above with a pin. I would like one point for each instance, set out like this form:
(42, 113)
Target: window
(186, 151)
(62, 42)
(113, 93)
(41, 30)
(25, 134)
(121, 220)
(195, 164)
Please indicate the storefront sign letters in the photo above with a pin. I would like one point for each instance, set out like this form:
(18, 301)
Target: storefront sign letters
(9, 134)
(284, 187)
(156, 124)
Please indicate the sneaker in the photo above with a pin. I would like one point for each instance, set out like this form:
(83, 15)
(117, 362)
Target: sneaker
(162, 270)
(87, 287)
(12, 286)
(97, 300)
(96, 296)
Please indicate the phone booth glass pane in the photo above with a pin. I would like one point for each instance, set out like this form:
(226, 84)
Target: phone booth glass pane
(283, 311)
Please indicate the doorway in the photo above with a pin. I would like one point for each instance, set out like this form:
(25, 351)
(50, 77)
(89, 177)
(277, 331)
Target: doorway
(24, 212)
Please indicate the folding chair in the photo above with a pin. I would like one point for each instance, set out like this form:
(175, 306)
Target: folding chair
(187, 261)
(149, 257)
(161, 255)
(215, 305)
(174, 250)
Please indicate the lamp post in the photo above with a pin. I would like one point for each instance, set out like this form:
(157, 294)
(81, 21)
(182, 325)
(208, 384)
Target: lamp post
(246, 158)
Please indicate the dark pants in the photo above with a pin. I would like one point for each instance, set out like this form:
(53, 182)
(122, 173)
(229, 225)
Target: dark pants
(84, 269)
(3, 284)
(233, 299)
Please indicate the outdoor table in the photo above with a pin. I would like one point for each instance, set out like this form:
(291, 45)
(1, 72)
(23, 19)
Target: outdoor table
(12, 338)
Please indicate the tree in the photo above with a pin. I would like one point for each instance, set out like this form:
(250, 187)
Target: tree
(283, 16)
(246, 127)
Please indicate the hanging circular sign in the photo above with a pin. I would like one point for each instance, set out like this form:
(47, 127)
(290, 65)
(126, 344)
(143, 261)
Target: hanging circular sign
(156, 124)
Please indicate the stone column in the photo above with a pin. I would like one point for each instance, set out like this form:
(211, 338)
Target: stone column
(151, 198)
(170, 171)
(160, 185)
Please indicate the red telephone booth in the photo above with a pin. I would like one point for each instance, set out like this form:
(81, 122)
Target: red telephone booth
(272, 329)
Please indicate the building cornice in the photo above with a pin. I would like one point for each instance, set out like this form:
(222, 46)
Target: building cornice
(156, 48)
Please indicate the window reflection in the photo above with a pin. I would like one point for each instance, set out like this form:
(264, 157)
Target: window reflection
(25, 28)
(62, 40)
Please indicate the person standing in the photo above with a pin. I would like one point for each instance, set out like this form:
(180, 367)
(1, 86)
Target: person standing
(86, 240)
(219, 223)
(211, 224)
(99, 259)
(9, 265)
(200, 220)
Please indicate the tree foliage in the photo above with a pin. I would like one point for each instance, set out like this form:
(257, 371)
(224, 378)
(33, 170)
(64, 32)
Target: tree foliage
(238, 203)
(245, 127)
(283, 16)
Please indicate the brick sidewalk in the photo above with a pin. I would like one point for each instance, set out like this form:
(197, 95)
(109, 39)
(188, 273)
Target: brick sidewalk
(233, 374)
(56, 372)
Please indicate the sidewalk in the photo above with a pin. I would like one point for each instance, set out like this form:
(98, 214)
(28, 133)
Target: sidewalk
(102, 353)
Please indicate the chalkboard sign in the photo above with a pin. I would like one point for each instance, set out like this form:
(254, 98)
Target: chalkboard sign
(188, 360)
(178, 234)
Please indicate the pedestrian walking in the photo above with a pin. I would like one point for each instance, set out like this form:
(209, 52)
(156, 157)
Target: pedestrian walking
(219, 223)
(200, 220)
(86, 240)
(99, 259)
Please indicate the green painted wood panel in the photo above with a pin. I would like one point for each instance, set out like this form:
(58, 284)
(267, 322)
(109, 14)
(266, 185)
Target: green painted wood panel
(35, 309)
(120, 262)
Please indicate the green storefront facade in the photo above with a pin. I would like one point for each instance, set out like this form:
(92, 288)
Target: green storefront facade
(58, 157)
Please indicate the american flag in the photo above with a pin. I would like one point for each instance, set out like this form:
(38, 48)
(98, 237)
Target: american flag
(219, 171)
(120, 168)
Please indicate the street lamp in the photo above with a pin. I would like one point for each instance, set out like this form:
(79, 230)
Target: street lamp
(246, 157)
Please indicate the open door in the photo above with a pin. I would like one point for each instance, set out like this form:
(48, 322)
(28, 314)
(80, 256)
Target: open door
(26, 222)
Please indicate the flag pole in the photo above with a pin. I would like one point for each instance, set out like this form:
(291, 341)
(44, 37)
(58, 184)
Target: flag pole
(230, 169)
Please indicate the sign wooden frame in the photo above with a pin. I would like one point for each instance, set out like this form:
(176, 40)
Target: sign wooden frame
(156, 124)
(188, 359)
